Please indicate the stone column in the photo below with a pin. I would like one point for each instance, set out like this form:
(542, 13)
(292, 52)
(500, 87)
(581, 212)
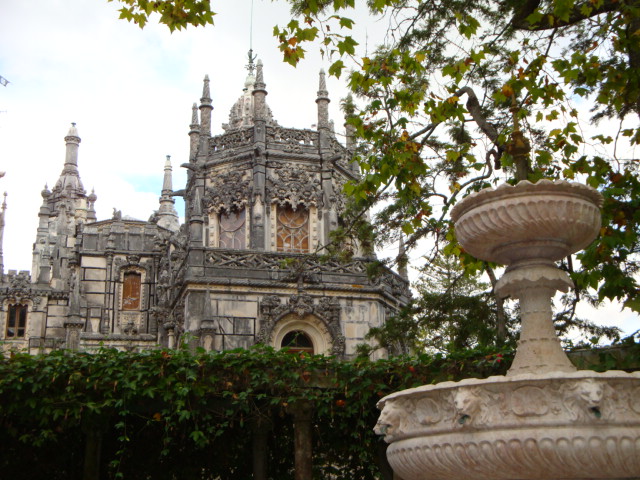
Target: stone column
(302, 412)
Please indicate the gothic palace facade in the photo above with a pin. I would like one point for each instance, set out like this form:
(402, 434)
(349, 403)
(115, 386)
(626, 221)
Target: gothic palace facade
(260, 200)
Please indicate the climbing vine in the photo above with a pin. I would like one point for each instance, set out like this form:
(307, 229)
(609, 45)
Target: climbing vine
(166, 414)
(172, 414)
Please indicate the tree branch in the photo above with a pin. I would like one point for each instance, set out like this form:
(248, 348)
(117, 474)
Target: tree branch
(520, 22)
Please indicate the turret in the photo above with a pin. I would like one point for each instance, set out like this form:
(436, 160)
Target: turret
(167, 215)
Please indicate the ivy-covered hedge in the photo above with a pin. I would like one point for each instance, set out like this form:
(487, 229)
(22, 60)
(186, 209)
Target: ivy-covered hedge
(171, 414)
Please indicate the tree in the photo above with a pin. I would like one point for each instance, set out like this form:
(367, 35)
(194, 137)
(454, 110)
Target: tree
(441, 98)
(443, 95)
(455, 311)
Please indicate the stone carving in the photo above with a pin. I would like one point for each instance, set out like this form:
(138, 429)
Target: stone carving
(584, 398)
(277, 261)
(396, 417)
(474, 406)
(20, 291)
(529, 401)
(130, 323)
(294, 186)
(228, 191)
(503, 402)
(226, 144)
(301, 305)
(292, 140)
(327, 310)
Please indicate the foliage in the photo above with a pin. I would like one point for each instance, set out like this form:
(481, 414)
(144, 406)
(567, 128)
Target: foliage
(438, 99)
(175, 14)
(451, 312)
(172, 414)
(454, 311)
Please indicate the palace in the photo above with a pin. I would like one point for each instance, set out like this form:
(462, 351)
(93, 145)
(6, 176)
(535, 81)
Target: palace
(243, 268)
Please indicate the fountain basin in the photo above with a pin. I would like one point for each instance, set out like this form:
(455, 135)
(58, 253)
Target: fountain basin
(579, 425)
(546, 220)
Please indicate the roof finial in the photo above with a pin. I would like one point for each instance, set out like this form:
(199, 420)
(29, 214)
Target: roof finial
(251, 66)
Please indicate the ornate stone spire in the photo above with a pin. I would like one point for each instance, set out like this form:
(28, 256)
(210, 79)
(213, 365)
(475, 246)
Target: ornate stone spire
(323, 102)
(194, 133)
(167, 215)
(259, 95)
(69, 187)
(194, 116)
(205, 109)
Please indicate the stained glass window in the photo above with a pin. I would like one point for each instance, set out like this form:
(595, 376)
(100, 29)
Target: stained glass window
(232, 231)
(16, 321)
(131, 291)
(293, 229)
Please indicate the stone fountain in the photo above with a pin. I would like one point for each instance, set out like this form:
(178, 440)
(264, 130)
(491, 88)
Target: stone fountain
(543, 420)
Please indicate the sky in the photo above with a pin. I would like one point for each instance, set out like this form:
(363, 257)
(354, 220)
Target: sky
(130, 93)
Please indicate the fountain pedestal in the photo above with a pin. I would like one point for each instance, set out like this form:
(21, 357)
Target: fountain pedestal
(543, 420)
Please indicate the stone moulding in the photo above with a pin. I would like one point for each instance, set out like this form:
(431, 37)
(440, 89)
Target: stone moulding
(526, 427)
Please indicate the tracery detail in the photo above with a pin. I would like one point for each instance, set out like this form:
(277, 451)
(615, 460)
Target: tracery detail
(292, 229)
(232, 233)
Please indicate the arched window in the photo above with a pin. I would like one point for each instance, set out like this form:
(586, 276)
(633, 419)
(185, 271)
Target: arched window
(232, 231)
(297, 341)
(293, 229)
(16, 321)
(131, 291)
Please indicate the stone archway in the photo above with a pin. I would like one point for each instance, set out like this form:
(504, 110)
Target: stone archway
(320, 321)
(310, 325)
